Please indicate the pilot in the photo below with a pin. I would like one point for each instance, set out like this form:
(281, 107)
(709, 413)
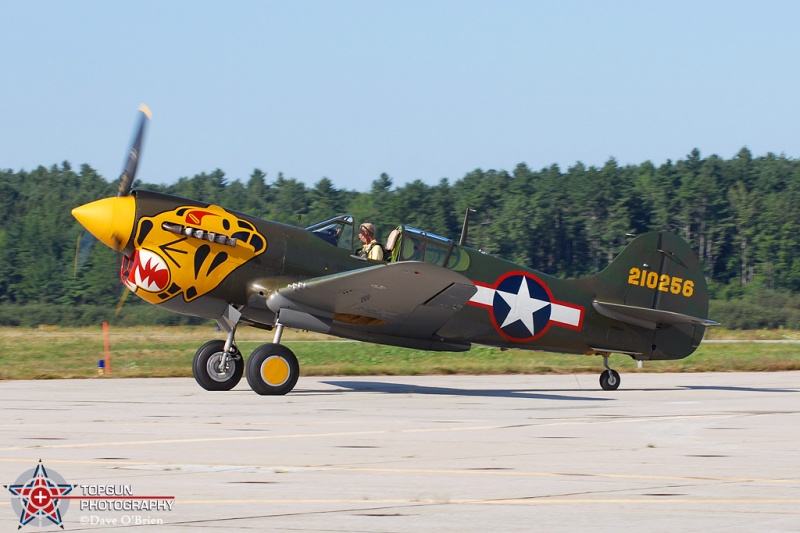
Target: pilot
(372, 248)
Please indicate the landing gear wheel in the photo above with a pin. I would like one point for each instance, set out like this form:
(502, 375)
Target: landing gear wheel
(610, 380)
(215, 370)
(272, 369)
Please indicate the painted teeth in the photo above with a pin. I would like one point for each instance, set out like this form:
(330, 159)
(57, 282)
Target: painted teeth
(151, 273)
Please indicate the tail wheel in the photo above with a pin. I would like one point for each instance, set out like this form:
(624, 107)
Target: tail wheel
(610, 380)
(213, 369)
(272, 369)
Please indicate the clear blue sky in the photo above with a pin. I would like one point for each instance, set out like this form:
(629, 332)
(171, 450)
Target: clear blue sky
(417, 89)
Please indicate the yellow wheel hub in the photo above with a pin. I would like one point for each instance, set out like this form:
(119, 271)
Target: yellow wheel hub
(275, 371)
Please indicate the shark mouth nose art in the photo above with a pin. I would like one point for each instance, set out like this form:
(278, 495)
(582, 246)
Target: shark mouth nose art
(145, 270)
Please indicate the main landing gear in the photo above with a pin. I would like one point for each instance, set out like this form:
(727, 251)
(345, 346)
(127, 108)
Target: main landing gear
(609, 379)
(272, 369)
(217, 367)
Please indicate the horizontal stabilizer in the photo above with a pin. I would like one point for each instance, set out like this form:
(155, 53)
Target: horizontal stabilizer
(647, 317)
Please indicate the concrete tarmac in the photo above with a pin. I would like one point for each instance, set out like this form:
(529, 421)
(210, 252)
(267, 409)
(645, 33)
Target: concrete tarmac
(667, 452)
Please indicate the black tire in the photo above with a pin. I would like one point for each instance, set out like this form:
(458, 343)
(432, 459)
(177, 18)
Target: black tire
(272, 369)
(205, 367)
(610, 380)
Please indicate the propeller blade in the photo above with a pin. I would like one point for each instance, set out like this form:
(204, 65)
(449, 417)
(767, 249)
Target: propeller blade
(77, 249)
(129, 172)
(121, 301)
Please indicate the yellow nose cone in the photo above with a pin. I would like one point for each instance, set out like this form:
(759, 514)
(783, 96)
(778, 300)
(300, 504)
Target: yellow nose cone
(110, 220)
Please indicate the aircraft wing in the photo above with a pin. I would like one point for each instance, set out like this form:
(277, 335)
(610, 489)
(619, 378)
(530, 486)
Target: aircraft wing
(404, 299)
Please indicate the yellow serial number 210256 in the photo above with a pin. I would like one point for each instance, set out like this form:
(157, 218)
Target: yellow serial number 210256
(664, 283)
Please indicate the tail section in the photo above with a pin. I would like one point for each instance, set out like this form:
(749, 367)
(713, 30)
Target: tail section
(656, 283)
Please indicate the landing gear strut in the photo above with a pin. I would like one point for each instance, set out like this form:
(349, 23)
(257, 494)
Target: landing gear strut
(609, 379)
(218, 365)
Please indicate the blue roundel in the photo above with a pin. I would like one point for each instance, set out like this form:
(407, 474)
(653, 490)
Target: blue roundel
(521, 307)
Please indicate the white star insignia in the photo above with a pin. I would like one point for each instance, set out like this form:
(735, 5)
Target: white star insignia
(522, 306)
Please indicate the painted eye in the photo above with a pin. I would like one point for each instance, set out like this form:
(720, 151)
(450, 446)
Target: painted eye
(256, 242)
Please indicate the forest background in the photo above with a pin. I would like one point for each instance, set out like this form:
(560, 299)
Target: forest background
(741, 216)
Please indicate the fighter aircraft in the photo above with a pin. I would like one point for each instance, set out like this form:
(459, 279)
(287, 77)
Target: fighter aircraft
(429, 293)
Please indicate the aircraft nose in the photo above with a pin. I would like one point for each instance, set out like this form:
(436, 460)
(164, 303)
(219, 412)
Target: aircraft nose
(110, 220)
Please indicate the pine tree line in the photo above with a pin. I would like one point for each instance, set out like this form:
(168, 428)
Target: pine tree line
(741, 216)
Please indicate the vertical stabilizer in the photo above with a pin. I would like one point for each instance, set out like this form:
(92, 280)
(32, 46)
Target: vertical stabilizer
(656, 283)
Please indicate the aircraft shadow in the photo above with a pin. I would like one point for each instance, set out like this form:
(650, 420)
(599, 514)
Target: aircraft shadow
(402, 388)
(734, 389)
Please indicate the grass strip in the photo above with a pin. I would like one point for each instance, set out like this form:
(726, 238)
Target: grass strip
(55, 353)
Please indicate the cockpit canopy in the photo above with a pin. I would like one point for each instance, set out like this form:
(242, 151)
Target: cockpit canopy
(337, 231)
(405, 243)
